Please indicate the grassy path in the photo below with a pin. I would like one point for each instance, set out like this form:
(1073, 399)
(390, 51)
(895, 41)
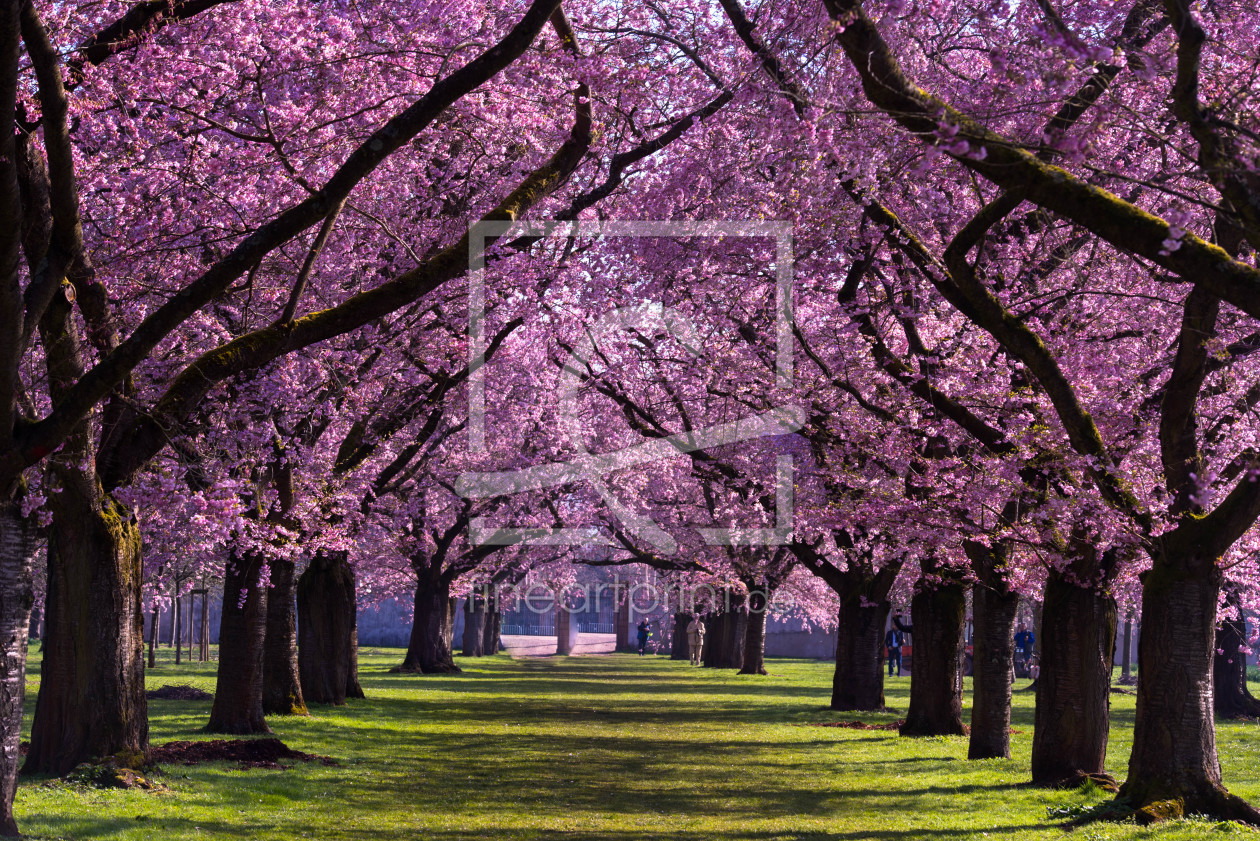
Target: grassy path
(615, 747)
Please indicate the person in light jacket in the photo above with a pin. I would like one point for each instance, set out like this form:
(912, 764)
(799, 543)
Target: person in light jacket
(695, 638)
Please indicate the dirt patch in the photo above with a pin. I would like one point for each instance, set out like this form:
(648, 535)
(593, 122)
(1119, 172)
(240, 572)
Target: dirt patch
(862, 725)
(248, 753)
(179, 692)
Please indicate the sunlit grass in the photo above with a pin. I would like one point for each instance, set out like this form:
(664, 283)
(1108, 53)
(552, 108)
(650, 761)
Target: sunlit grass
(614, 747)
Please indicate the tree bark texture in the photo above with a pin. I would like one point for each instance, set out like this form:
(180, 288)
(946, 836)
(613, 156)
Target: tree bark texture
(937, 615)
(1174, 767)
(993, 652)
(1078, 627)
(282, 686)
(753, 661)
(91, 697)
(494, 624)
(17, 594)
(155, 622)
(858, 683)
(1229, 671)
(726, 635)
(327, 643)
(238, 695)
(474, 625)
(429, 649)
(679, 649)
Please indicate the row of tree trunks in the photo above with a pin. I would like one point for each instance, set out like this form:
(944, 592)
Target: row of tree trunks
(937, 614)
(328, 665)
(1229, 667)
(282, 686)
(17, 593)
(91, 700)
(726, 634)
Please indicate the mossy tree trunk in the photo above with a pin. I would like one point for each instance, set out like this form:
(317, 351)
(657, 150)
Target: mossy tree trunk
(18, 539)
(282, 686)
(238, 696)
(91, 699)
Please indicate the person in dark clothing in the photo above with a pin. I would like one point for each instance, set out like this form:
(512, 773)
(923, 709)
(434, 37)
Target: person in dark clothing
(1023, 648)
(644, 633)
(892, 642)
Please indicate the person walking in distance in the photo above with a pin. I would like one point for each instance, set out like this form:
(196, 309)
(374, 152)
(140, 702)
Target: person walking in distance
(644, 633)
(695, 638)
(892, 642)
(1024, 640)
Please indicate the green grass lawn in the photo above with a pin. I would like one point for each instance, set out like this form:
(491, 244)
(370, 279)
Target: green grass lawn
(613, 747)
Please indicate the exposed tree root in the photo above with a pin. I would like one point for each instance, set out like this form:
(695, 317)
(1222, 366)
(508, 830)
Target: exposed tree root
(1215, 803)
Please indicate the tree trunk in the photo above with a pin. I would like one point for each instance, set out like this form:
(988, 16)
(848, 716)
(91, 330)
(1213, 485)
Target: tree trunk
(753, 659)
(679, 648)
(91, 696)
(936, 617)
(327, 660)
(37, 618)
(155, 622)
(282, 687)
(859, 679)
(429, 650)
(1078, 628)
(203, 649)
(242, 637)
(474, 625)
(17, 594)
(1126, 656)
(993, 653)
(494, 624)
(1173, 769)
(1229, 669)
(621, 618)
(724, 641)
(177, 621)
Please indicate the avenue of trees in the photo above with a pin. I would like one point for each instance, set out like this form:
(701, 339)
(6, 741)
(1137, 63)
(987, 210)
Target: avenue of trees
(976, 322)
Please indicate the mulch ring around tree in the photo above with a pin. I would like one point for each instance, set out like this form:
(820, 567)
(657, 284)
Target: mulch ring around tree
(248, 753)
(178, 692)
(862, 725)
